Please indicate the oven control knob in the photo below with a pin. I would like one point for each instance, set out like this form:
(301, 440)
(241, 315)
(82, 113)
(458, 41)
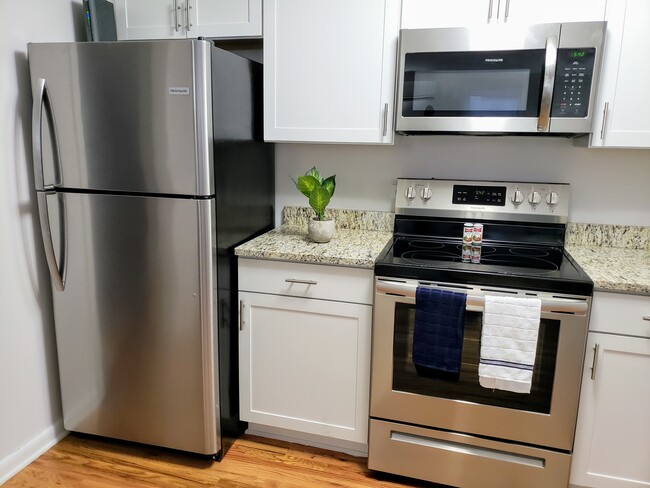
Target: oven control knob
(517, 197)
(534, 198)
(410, 193)
(552, 199)
(426, 193)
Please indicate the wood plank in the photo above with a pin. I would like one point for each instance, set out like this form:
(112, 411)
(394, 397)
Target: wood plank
(252, 462)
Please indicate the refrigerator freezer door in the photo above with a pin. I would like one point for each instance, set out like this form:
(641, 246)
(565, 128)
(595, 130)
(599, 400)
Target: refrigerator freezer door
(129, 116)
(134, 325)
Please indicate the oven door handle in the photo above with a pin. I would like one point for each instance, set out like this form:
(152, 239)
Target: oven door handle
(476, 303)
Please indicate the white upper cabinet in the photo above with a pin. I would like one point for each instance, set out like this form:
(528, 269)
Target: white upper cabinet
(180, 19)
(329, 70)
(621, 114)
(420, 14)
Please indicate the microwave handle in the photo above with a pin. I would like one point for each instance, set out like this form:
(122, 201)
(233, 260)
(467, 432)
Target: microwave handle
(550, 62)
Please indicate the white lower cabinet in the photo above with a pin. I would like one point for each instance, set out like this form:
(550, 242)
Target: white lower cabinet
(304, 362)
(612, 444)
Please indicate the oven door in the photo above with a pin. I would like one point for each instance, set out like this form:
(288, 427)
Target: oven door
(477, 80)
(545, 417)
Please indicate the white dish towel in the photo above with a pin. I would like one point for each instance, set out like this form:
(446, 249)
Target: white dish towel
(509, 343)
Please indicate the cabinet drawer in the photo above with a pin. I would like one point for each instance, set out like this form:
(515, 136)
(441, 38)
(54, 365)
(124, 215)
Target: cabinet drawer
(620, 314)
(342, 284)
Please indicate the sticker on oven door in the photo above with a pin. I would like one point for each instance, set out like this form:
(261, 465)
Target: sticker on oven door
(179, 90)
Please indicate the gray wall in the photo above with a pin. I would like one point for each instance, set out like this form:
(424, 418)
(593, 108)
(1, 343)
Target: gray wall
(609, 186)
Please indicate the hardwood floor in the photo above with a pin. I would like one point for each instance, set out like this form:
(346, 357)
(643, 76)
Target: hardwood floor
(82, 461)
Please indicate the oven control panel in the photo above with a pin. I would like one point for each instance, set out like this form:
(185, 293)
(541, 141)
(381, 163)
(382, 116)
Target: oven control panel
(535, 202)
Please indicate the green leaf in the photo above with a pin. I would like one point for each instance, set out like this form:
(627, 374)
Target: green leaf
(314, 172)
(330, 185)
(306, 185)
(318, 200)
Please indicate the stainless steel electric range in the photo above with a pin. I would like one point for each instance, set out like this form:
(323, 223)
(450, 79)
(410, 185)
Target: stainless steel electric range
(480, 239)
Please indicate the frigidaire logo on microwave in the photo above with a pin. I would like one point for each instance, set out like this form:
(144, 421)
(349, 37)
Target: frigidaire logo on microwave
(494, 60)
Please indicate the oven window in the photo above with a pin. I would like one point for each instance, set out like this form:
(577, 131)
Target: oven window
(473, 84)
(465, 386)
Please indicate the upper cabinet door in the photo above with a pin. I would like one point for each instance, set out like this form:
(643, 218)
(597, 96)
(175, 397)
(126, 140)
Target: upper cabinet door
(422, 14)
(171, 19)
(540, 12)
(329, 70)
(225, 18)
(149, 19)
(621, 114)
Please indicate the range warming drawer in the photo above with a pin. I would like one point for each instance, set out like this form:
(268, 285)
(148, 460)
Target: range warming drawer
(462, 460)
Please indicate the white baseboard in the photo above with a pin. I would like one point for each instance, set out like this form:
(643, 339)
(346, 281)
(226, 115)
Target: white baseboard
(313, 440)
(19, 459)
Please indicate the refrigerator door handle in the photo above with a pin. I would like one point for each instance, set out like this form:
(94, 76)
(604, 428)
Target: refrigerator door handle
(41, 101)
(57, 271)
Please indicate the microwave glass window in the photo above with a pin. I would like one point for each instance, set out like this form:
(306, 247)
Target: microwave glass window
(476, 84)
(473, 91)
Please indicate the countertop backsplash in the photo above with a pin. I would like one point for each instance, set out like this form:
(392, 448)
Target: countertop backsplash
(345, 219)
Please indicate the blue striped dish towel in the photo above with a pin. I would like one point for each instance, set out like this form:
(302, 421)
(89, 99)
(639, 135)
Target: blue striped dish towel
(509, 343)
(438, 329)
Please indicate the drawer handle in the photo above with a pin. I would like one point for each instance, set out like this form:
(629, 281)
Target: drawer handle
(646, 317)
(302, 282)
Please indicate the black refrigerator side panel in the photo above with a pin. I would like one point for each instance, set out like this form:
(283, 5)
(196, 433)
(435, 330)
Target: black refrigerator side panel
(244, 171)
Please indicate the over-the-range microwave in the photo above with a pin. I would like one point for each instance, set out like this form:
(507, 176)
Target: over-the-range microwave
(534, 79)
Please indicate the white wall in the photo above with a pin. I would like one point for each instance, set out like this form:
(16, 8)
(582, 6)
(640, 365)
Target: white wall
(30, 410)
(608, 186)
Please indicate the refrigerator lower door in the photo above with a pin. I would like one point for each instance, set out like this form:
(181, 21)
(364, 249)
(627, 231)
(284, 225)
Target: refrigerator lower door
(134, 324)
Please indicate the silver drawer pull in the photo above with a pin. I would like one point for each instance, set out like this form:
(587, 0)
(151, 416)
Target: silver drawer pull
(301, 282)
(646, 317)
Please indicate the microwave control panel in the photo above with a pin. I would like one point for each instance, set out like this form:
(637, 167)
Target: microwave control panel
(573, 76)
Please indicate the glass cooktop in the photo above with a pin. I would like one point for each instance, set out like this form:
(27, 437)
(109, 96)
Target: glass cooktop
(535, 267)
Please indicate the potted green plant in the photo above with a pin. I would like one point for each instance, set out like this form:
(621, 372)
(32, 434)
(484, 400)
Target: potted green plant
(319, 191)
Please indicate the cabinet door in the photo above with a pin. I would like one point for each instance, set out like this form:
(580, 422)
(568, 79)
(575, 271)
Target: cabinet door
(149, 19)
(539, 12)
(225, 18)
(621, 115)
(612, 444)
(304, 365)
(329, 70)
(424, 14)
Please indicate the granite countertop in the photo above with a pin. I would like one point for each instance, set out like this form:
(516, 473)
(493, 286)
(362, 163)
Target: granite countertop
(359, 238)
(348, 247)
(616, 258)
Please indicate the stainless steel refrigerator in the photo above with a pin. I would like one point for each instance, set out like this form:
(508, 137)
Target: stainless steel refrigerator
(149, 168)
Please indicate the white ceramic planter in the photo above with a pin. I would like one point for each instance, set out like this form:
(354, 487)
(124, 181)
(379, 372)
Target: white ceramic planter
(321, 230)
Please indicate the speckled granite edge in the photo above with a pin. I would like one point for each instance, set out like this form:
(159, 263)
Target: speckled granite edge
(603, 235)
(345, 219)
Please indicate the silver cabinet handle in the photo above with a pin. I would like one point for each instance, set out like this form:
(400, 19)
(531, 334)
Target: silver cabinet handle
(646, 317)
(490, 11)
(188, 24)
(385, 120)
(602, 127)
(301, 282)
(594, 363)
(177, 7)
(242, 320)
(544, 121)
(507, 10)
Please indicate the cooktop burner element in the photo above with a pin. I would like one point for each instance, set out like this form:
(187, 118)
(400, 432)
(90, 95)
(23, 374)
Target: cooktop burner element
(523, 235)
